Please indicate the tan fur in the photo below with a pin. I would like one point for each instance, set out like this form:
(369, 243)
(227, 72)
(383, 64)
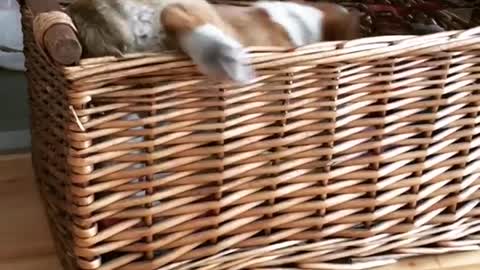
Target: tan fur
(250, 26)
(182, 18)
(338, 25)
(253, 27)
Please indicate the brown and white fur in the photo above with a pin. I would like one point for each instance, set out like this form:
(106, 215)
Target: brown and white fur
(214, 36)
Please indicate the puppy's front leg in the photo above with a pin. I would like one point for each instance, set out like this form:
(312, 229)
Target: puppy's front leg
(196, 32)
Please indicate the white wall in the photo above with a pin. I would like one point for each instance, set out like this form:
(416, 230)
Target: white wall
(11, 41)
(14, 123)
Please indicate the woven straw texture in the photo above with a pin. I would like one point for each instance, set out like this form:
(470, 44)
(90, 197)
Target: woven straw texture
(341, 155)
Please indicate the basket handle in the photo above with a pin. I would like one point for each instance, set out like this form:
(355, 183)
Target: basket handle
(59, 39)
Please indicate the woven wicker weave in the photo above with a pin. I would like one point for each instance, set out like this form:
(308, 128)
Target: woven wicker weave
(341, 155)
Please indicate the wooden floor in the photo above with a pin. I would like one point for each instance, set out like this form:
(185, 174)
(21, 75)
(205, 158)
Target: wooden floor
(25, 242)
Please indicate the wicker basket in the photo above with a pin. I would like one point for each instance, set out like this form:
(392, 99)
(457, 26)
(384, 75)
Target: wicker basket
(342, 155)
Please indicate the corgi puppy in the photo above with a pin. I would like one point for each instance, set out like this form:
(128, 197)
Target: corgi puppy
(213, 36)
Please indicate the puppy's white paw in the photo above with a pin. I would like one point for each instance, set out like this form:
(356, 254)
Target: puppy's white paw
(221, 61)
(217, 55)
